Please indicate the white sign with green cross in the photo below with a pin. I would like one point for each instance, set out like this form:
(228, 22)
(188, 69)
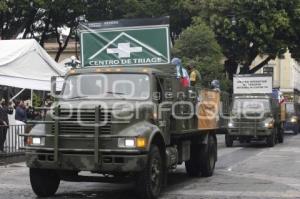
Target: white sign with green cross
(148, 45)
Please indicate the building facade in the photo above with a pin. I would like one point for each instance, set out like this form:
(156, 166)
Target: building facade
(286, 75)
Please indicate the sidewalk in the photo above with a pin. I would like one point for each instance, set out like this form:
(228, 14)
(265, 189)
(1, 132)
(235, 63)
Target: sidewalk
(6, 159)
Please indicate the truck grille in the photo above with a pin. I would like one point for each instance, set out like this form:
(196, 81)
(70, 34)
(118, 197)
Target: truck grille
(83, 121)
(247, 123)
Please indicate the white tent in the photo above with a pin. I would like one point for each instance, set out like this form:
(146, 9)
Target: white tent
(25, 64)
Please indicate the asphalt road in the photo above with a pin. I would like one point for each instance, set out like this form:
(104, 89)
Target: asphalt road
(244, 171)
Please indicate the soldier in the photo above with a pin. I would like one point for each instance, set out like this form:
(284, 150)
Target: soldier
(195, 76)
(3, 124)
(182, 73)
(215, 84)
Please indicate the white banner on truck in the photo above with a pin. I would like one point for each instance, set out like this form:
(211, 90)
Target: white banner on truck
(252, 84)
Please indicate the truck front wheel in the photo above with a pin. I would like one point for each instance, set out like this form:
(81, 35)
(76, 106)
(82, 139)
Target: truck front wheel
(271, 139)
(228, 140)
(44, 182)
(280, 135)
(149, 182)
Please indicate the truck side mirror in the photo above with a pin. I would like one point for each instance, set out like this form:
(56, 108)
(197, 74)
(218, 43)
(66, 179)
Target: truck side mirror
(54, 86)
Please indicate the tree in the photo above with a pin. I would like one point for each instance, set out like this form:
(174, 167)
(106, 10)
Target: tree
(294, 40)
(116, 9)
(42, 19)
(56, 19)
(197, 43)
(14, 17)
(248, 28)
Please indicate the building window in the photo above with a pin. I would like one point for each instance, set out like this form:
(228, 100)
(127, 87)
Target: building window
(268, 70)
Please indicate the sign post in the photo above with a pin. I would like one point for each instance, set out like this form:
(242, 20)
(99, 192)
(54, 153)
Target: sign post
(125, 42)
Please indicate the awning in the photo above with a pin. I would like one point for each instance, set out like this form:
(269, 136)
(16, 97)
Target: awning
(25, 64)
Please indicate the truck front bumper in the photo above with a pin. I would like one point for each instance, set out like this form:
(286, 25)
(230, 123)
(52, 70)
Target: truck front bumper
(108, 162)
(259, 132)
(289, 126)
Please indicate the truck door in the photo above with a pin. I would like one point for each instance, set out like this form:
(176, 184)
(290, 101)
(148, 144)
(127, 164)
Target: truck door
(164, 90)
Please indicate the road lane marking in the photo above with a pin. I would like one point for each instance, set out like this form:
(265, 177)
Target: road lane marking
(291, 182)
(239, 194)
(225, 151)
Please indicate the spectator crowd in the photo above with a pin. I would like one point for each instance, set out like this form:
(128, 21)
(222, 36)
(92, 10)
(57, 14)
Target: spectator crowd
(17, 113)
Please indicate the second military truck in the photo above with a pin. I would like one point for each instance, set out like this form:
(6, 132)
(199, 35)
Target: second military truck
(255, 112)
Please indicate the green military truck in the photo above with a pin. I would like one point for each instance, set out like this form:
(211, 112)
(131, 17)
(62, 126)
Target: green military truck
(122, 123)
(255, 111)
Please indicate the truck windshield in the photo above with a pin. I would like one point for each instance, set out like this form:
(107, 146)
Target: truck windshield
(107, 86)
(251, 106)
(290, 108)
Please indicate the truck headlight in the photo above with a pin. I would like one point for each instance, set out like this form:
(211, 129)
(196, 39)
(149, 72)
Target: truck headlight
(269, 125)
(35, 141)
(139, 142)
(129, 143)
(230, 124)
(294, 119)
(126, 142)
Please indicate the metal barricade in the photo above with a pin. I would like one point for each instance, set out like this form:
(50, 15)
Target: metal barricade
(14, 144)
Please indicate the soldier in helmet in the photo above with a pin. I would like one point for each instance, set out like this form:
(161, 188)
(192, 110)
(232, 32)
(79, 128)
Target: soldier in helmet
(215, 84)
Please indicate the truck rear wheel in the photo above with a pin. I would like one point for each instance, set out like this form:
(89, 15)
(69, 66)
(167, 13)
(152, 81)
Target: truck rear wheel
(208, 157)
(44, 182)
(203, 159)
(271, 139)
(150, 181)
(192, 166)
(228, 140)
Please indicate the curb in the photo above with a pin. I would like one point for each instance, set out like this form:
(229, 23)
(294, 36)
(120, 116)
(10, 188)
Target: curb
(9, 159)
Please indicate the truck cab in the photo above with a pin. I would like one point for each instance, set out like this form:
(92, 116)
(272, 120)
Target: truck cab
(125, 123)
(254, 117)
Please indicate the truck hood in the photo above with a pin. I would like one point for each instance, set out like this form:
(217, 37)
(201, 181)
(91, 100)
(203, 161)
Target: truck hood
(105, 104)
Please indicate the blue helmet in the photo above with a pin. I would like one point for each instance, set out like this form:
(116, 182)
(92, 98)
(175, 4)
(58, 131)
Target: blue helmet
(176, 61)
(215, 84)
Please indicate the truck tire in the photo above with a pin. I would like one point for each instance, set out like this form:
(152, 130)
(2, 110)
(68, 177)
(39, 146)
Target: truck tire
(150, 181)
(203, 159)
(192, 166)
(296, 130)
(44, 182)
(280, 135)
(228, 140)
(208, 157)
(271, 139)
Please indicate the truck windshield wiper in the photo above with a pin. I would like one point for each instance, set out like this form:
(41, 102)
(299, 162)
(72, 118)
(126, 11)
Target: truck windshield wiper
(77, 97)
(121, 95)
(116, 93)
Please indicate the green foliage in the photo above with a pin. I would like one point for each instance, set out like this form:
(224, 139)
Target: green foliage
(197, 44)
(268, 27)
(116, 9)
(36, 100)
(261, 27)
(3, 6)
(40, 19)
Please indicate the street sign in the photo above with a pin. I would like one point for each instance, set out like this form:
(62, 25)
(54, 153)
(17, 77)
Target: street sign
(121, 46)
(250, 84)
